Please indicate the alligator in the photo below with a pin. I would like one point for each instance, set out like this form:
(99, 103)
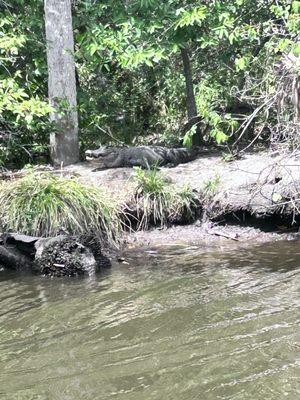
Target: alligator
(142, 156)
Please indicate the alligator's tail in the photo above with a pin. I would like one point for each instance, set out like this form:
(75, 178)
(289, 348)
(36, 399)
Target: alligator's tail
(181, 155)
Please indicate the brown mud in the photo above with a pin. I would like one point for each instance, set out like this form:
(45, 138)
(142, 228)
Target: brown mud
(204, 235)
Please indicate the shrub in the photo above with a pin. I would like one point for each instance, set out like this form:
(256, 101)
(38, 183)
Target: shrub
(159, 203)
(44, 205)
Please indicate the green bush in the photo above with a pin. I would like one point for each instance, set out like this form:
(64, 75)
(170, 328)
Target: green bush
(44, 205)
(158, 202)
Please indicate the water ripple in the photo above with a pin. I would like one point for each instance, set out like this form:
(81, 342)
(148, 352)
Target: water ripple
(179, 324)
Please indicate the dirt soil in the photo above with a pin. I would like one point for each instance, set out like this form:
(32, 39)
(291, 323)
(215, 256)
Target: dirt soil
(262, 184)
(204, 235)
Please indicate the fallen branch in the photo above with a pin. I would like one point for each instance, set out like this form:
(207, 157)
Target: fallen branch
(221, 234)
(246, 124)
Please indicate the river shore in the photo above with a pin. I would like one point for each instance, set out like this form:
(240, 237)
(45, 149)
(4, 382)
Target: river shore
(254, 199)
(263, 183)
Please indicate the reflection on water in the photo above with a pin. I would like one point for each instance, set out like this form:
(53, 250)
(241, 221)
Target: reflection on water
(183, 324)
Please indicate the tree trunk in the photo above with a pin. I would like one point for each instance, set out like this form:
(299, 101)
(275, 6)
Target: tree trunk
(61, 81)
(190, 95)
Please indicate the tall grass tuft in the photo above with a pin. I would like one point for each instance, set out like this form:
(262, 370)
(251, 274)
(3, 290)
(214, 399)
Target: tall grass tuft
(44, 205)
(158, 202)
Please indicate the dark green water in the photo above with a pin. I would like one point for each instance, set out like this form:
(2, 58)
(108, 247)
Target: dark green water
(182, 324)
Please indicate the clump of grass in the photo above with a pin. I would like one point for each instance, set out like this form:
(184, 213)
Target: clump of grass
(44, 205)
(211, 186)
(158, 202)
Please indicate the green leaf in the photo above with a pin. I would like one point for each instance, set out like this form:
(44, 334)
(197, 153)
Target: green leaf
(296, 7)
(240, 63)
(283, 44)
(93, 48)
(148, 62)
(219, 135)
(188, 137)
(296, 49)
(191, 17)
(231, 37)
(276, 197)
(28, 119)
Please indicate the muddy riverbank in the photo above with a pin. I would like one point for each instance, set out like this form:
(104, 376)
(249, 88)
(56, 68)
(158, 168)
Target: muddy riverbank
(251, 200)
(207, 235)
(263, 183)
(254, 199)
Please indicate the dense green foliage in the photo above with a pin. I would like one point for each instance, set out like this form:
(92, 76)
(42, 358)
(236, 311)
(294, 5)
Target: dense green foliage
(44, 205)
(244, 56)
(23, 82)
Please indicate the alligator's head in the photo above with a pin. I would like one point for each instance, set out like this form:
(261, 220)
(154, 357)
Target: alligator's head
(104, 154)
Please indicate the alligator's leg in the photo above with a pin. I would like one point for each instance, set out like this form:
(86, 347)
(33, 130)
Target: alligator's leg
(154, 162)
(118, 162)
(171, 165)
(136, 162)
(146, 161)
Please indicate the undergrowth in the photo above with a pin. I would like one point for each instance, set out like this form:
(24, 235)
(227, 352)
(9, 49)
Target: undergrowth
(44, 205)
(158, 202)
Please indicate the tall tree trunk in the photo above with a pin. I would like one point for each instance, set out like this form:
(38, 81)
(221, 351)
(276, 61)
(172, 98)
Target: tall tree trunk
(190, 95)
(61, 81)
